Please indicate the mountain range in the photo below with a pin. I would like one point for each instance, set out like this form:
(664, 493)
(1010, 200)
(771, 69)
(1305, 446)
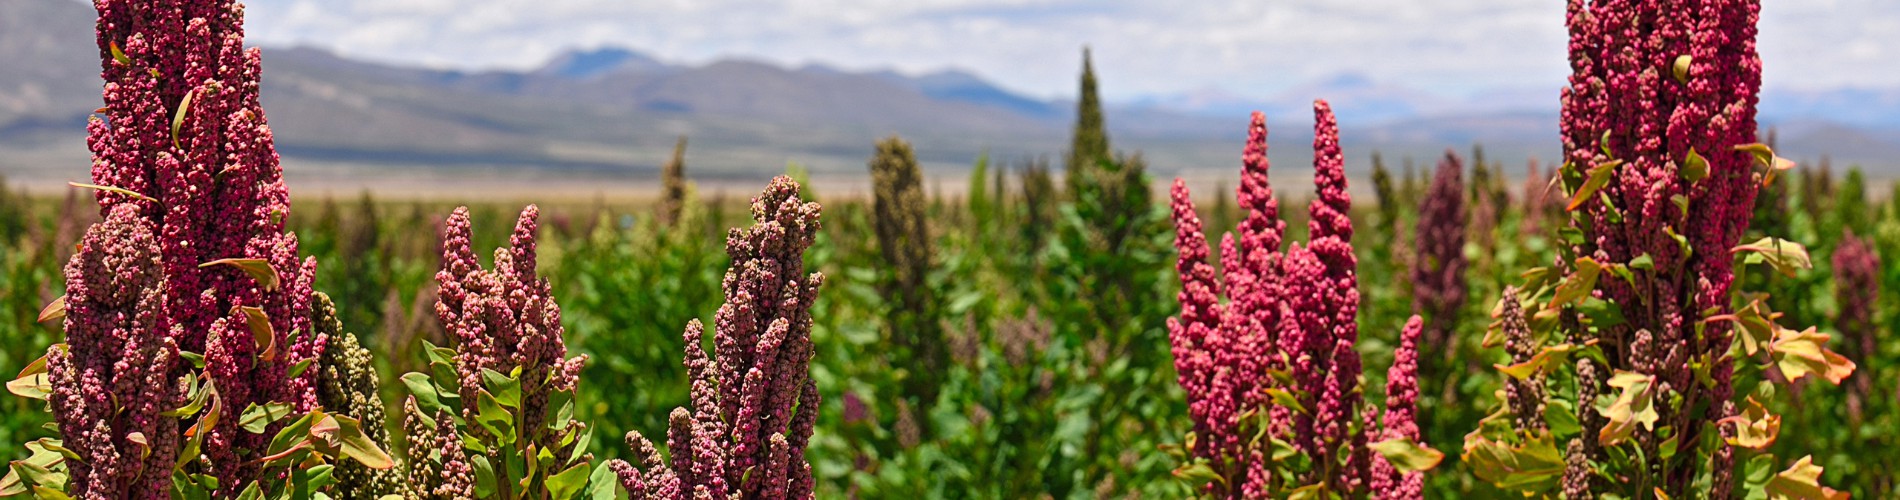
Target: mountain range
(608, 117)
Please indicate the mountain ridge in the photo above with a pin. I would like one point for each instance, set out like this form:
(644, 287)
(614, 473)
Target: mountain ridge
(613, 113)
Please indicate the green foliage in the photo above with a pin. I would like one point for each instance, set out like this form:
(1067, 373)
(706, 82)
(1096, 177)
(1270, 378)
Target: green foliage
(626, 292)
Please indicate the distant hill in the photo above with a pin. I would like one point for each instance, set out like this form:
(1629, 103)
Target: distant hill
(608, 116)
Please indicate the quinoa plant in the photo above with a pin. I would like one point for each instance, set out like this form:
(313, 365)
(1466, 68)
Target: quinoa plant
(753, 402)
(493, 416)
(1271, 373)
(187, 363)
(1438, 267)
(1856, 290)
(905, 245)
(1638, 345)
(1088, 145)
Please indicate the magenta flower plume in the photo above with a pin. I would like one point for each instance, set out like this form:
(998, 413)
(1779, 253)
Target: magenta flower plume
(112, 380)
(1331, 242)
(1295, 310)
(503, 320)
(1856, 290)
(1659, 101)
(754, 405)
(1438, 271)
(1189, 335)
(1401, 417)
(183, 138)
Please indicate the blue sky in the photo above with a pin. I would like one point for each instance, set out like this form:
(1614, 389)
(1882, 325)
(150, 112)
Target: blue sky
(1143, 48)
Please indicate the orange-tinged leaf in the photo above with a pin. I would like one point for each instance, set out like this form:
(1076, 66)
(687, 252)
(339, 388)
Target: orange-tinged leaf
(1804, 353)
(118, 54)
(259, 269)
(261, 331)
(1634, 406)
(1785, 256)
(195, 436)
(1766, 157)
(1802, 481)
(1756, 323)
(55, 310)
(1579, 284)
(1542, 362)
(1599, 177)
(1755, 428)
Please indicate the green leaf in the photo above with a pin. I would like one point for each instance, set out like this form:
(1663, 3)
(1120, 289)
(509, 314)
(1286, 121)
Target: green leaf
(45, 493)
(1602, 313)
(259, 269)
(1561, 416)
(118, 55)
(1802, 481)
(568, 483)
(485, 480)
(195, 435)
(1533, 466)
(120, 191)
(197, 360)
(1599, 177)
(1634, 406)
(195, 400)
(1695, 167)
(1681, 242)
(424, 391)
(297, 370)
(1785, 256)
(37, 468)
(1198, 474)
(1408, 456)
(603, 484)
(1579, 284)
(320, 476)
(495, 419)
(33, 381)
(1644, 262)
(1286, 399)
(355, 445)
(507, 390)
(297, 432)
(582, 441)
(256, 418)
(562, 405)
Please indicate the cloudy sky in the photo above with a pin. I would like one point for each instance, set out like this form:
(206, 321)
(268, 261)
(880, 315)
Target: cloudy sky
(1143, 48)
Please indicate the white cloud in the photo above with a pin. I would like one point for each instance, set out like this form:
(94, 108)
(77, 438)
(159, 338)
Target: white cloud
(1143, 47)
